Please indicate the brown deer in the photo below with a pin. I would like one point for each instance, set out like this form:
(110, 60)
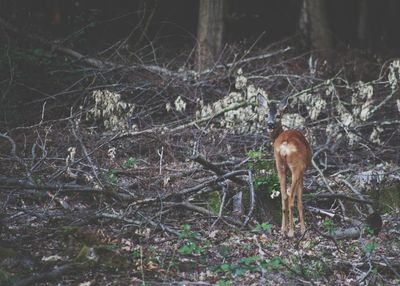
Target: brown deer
(292, 153)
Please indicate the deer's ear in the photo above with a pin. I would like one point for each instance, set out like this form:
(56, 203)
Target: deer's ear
(283, 105)
(262, 101)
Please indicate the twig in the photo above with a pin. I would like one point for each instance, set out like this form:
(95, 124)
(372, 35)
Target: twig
(204, 211)
(221, 206)
(13, 150)
(326, 182)
(168, 129)
(366, 274)
(215, 168)
(358, 193)
(139, 223)
(252, 198)
(74, 129)
(391, 267)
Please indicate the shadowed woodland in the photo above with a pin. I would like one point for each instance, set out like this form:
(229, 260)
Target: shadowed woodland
(134, 150)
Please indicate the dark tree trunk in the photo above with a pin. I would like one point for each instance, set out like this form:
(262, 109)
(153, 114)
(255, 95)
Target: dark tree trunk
(314, 25)
(362, 23)
(209, 32)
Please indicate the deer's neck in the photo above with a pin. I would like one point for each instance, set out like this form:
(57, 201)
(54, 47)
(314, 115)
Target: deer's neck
(275, 133)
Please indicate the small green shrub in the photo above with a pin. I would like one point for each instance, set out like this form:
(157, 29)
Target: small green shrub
(328, 225)
(265, 176)
(250, 263)
(130, 163)
(266, 227)
(190, 247)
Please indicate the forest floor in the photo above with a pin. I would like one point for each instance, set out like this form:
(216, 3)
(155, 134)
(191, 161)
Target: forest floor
(141, 193)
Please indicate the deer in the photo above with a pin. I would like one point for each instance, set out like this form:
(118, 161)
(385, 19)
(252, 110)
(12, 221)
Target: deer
(292, 153)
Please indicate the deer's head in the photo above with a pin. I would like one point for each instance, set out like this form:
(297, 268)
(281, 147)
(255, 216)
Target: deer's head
(275, 113)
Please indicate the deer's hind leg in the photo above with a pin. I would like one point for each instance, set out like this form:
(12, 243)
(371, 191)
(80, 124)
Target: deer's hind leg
(281, 169)
(295, 189)
(300, 207)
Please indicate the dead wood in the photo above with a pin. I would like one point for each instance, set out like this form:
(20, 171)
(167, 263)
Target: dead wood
(45, 277)
(341, 196)
(195, 190)
(23, 183)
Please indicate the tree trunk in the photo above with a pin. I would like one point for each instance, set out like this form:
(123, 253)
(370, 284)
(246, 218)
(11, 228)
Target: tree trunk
(314, 25)
(362, 23)
(209, 32)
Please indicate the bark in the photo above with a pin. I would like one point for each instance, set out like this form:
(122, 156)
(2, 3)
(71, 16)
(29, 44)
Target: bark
(209, 32)
(314, 25)
(362, 23)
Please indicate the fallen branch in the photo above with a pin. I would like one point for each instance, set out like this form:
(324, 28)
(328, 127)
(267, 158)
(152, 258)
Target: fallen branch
(22, 183)
(216, 169)
(358, 193)
(45, 277)
(191, 190)
(351, 232)
(138, 223)
(338, 196)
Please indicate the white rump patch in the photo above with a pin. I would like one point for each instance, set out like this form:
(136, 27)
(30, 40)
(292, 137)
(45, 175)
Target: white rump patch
(285, 149)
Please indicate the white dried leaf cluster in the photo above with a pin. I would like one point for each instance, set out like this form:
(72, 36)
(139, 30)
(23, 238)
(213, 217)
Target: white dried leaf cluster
(333, 131)
(345, 116)
(313, 103)
(293, 121)
(241, 80)
(111, 110)
(394, 74)
(111, 153)
(361, 110)
(69, 161)
(348, 121)
(373, 177)
(398, 104)
(362, 100)
(330, 88)
(180, 104)
(239, 111)
(376, 132)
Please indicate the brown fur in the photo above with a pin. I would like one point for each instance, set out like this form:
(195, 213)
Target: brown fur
(292, 153)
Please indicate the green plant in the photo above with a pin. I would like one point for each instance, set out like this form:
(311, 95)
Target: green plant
(135, 253)
(112, 176)
(189, 246)
(130, 163)
(370, 247)
(266, 178)
(5, 277)
(252, 264)
(315, 268)
(329, 225)
(224, 282)
(368, 230)
(310, 267)
(263, 227)
(214, 201)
